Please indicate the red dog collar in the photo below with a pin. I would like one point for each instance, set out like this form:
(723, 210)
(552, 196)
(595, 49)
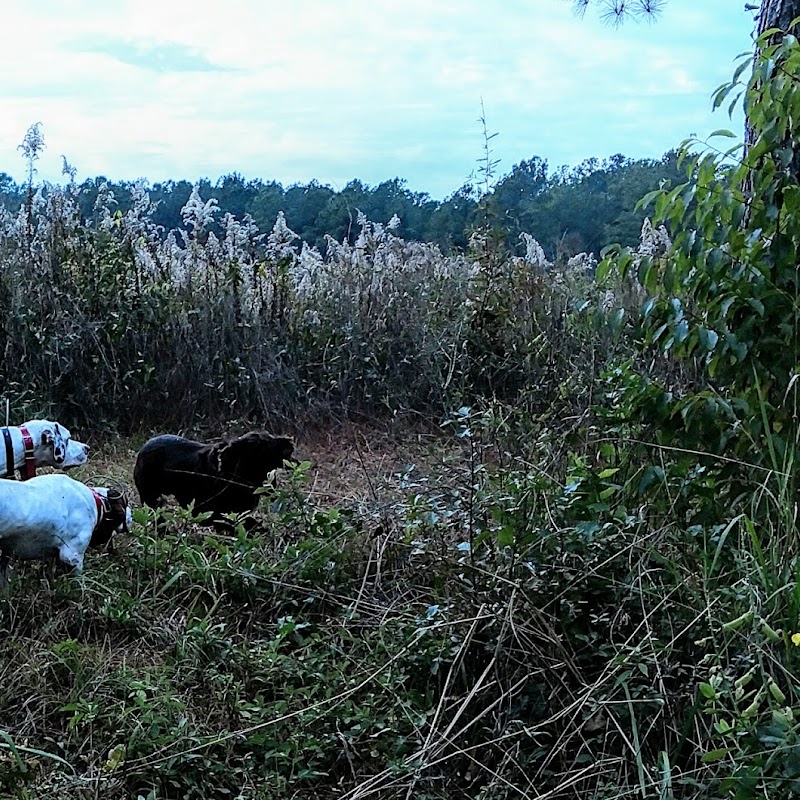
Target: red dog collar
(29, 468)
(100, 503)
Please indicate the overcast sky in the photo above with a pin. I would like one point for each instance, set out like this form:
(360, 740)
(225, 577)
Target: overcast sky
(339, 89)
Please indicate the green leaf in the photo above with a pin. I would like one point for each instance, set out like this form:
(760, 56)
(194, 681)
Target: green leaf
(607, 450)
(708, 691)
(746, 62)
(756, 305)
(714, 755)
(648, 199)
(768, 34)
(603, 269)
(708, 338)
(505, 537)
(650, 476)
(732, 108)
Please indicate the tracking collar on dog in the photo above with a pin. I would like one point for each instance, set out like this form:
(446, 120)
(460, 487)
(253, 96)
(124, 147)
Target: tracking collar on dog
(29, 467)
(9, 453)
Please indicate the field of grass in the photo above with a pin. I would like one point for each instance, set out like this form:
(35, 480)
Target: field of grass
(415, 618)
(302, 660)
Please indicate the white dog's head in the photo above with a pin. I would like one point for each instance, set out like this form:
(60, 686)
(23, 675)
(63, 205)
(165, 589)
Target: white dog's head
(54, 446)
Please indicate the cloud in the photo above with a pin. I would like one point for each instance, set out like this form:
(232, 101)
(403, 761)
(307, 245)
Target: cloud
(356, 88)
(162, 58)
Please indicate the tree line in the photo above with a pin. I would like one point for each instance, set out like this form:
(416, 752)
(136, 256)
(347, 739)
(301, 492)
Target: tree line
(568, 210)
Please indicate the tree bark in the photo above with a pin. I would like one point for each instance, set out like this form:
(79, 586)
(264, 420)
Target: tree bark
(777, 14)
(772, 14)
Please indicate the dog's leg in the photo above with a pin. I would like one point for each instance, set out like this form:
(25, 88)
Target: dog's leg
(50, 571)
(72, 558)
(150, 498)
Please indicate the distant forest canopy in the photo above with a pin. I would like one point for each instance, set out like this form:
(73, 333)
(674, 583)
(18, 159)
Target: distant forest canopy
(568, 210)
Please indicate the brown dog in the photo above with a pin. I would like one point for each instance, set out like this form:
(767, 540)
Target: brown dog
(220, 477)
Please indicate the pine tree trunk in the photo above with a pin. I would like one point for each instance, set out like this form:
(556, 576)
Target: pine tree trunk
(777, 14)
(773, 14)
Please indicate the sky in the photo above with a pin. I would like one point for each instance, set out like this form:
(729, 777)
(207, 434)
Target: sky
(333, 90)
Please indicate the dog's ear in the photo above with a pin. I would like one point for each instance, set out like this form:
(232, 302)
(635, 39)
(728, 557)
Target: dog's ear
(51, 435)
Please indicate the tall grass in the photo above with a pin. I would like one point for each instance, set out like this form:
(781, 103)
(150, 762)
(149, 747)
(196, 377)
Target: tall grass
(115, 322)
(474, 624)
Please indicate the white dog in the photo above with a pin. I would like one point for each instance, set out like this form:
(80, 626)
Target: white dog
(39, 443)
(55, 516)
